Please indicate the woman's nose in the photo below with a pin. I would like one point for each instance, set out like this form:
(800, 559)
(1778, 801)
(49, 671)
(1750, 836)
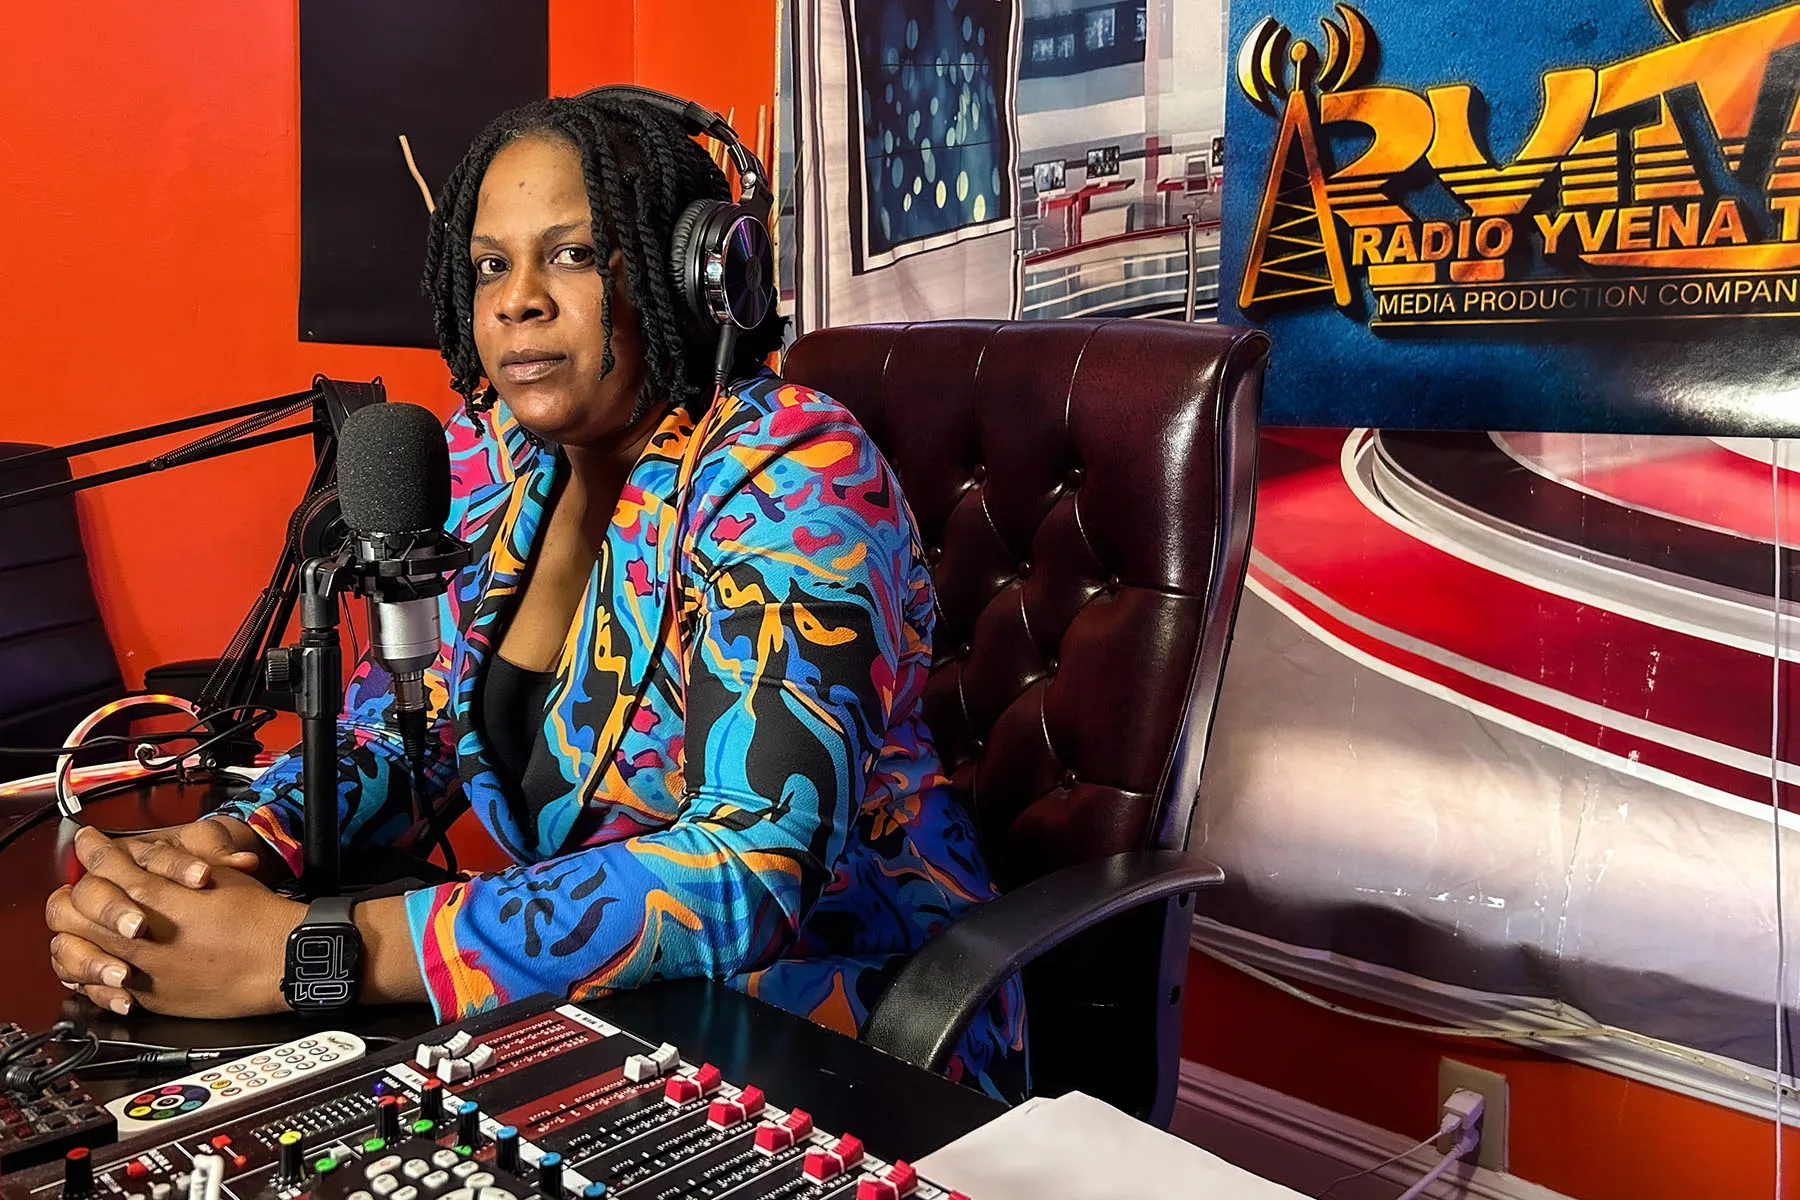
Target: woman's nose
(524, 297)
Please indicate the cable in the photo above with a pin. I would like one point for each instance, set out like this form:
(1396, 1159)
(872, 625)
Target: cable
(111, 739)
(1782, 1066)
(1449, 1125)
(1694, 1057)
(1469, 1140)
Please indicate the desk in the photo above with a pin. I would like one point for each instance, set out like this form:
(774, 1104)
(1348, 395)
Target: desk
(897, 1109)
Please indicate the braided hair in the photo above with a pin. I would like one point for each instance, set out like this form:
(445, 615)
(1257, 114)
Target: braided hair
(642, 170)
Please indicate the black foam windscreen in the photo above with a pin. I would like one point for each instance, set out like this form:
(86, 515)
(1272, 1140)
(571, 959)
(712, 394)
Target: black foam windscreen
(393, 470)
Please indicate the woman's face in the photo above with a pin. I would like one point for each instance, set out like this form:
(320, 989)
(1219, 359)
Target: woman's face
(538, 299)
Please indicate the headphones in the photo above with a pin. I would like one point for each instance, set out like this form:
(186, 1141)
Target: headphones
(721, 258)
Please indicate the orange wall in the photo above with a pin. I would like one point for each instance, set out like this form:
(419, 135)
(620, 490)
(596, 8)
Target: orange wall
(151, 206)
(1581, 1131)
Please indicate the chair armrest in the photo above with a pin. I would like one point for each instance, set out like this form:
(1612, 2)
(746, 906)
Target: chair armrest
(937, 993)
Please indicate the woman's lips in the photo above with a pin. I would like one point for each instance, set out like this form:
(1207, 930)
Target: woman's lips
(531, 370)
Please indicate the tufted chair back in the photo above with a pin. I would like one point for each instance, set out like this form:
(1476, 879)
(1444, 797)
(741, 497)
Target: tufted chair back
(1084, 491)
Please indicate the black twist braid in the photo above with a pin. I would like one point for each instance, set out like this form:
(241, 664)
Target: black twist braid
(641, 172)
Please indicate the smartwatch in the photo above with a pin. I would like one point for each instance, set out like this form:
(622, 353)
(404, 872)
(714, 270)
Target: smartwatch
(324, 958)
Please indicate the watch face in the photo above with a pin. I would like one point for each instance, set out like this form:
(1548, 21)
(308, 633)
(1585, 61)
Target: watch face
(321, 966)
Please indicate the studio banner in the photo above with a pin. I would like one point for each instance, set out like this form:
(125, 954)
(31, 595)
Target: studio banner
(1537, 215)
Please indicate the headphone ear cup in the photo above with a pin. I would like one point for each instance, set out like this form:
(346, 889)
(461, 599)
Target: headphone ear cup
(685, 251)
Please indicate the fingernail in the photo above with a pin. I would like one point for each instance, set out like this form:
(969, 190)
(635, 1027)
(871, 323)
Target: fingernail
(130, 923)
(114, 975)
(73, 987)
(195, 875)
(121, 1005)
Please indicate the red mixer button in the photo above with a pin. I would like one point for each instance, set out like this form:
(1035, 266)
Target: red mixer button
(723, 1114)
(709, 1078)
(680, 1090)
(904, 1176)
(848, 1149)
(220, 1142)
(136, 1169)
(822, 1165)
(752, 1101)
(876, 1189)
(799, 1121)
(773, 1139)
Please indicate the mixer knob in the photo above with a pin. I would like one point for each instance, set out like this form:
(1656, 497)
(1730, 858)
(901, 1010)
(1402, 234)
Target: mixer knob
(468, 1125)
(387, 1119)
(78, 1174)
(550, 1175)
(431, 1101)
(506, 1149)
(291, 1167)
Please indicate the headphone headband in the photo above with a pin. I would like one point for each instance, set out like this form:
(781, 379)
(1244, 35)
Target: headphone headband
(754, 191)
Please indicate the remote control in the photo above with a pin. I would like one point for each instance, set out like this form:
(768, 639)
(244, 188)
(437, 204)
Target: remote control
(245, 1078)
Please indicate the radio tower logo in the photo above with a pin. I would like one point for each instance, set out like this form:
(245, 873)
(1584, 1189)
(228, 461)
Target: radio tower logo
(1295, 250)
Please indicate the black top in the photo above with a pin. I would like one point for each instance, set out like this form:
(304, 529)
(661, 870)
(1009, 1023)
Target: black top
(513, 704)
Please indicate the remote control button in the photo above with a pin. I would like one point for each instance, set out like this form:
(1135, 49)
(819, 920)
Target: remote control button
(328, 1056)
(310, 1042)
(383, 1166)
(209, 1076)
(384, 1185)
(280, 1073)
(445, 1159)
(284, 1050)
(463, 1170)
(191, 1105)
(415, 1168)
(254, 1083)
(261, 1058)
(480, 1179)
(406, 1193)
(232, 1091)
(435, 1181)
(360, 1194)
(304, 1064)
(172, 1089)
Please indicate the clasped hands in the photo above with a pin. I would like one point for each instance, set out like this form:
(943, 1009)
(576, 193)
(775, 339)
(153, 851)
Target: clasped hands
(176, 920)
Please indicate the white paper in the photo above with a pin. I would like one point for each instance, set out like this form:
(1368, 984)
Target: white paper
(1076, 1148)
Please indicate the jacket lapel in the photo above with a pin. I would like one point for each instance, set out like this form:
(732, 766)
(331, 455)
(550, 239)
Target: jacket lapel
(614, 644)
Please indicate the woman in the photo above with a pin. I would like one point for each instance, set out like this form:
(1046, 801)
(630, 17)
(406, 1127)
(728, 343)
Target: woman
(745, 790)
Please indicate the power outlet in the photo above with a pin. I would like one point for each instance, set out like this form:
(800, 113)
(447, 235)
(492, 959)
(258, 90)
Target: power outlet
(1492, 1088)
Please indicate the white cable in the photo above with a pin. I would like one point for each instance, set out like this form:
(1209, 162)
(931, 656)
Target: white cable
(1499, 1034)
(1781, 993)
(1469, 1140)
(1450, 1123)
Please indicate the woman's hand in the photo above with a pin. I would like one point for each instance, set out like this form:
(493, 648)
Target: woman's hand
(127, 934)
(187, 853)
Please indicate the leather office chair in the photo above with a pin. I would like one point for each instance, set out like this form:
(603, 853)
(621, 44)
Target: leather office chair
(56, 662)
(1084, 490)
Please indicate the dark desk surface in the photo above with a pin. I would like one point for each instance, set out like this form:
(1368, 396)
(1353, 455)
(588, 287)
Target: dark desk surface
(898, 1110)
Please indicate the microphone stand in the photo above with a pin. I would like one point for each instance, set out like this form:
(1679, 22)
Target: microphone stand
(313, 671)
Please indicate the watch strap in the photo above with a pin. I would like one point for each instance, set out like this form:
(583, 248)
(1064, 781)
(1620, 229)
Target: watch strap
(330, 910)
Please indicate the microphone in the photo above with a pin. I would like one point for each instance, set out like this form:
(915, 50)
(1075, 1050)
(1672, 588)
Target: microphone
(394, 493)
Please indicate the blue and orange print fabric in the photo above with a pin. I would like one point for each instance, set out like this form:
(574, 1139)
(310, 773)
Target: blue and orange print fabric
(748, 790)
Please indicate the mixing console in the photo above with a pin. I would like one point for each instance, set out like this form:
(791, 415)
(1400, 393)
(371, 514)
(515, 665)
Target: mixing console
(530, 1102)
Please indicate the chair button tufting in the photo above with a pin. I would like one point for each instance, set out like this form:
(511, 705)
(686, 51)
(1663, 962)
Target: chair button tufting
(962, 651)
(1068, 780)
(1051, 669)
(1112, 583)
(934, 555)
(1072, 480)
(978, 474)
(977, 746)
(1024, 571)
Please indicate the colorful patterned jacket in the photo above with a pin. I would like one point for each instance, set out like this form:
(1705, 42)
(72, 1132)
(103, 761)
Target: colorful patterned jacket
(751, 792)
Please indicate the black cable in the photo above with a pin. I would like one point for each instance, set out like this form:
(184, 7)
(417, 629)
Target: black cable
(24, 824)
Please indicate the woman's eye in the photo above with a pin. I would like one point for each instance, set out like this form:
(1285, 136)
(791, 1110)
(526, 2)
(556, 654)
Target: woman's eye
(574, 256)
(488, 266)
